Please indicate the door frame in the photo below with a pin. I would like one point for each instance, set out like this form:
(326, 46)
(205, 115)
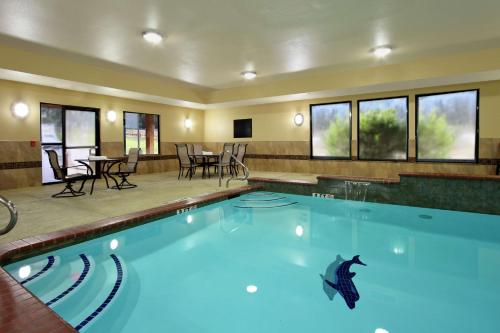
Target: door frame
(62, 144)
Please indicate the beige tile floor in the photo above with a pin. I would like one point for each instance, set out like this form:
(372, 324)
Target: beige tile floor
(40, 213)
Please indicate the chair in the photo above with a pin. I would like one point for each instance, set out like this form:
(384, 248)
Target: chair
(197, 150)
(226, 159)
(190, 149)
(125, 169)
(185, 161)
(61, 173)
(240, 156)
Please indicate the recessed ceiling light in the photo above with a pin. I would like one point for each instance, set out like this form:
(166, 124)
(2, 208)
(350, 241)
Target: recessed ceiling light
(381, 52)
(152, 37)
(249, 75)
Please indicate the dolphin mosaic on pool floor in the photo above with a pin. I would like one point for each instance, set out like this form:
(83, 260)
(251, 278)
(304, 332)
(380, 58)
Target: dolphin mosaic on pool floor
(339, 278)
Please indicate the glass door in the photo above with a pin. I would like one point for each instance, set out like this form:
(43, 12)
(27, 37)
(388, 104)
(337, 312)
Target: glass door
(80, 137)
(71, 132)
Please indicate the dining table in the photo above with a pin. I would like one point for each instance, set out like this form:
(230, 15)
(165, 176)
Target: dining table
(206, 161)
(102, 167)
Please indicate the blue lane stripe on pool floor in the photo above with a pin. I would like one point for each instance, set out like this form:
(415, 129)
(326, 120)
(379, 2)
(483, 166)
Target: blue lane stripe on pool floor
(119, 278)
(50, 262)
(86, 267)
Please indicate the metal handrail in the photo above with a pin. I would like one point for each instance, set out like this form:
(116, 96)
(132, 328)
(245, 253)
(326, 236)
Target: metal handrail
(232, 157)
(13, 215)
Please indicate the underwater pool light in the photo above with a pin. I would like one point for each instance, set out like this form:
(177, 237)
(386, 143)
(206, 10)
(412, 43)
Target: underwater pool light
(381, 330)
(299, 230)
(251, 289)
(24, 272)
(113, 245)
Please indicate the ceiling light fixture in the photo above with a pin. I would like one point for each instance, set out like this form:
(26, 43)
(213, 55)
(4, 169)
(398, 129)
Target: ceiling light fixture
(152, 37)
(382, 51)
(249, 75)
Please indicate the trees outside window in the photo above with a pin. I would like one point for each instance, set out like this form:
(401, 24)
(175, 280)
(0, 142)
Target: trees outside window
(331, 130)
(383, 129)
(142, 131)
(447, 126)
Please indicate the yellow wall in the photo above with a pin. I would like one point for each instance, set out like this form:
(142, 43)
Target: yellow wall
(13, 129)
(273, 122)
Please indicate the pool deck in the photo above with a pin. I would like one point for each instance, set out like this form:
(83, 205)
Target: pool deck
(39, 213)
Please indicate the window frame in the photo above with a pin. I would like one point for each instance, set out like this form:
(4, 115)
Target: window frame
(344, 158)
(125, 134)
(407, 128)
(476, 145)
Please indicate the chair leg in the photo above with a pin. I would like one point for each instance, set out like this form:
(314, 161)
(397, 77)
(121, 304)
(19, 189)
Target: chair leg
(68, 192)
(180, 173)
(124, 184)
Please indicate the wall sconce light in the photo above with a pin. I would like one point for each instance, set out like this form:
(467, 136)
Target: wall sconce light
(20, 110)
(111, 116)
(298, 119)
(188, 123)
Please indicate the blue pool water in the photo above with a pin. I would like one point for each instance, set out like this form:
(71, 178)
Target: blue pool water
(255, 264)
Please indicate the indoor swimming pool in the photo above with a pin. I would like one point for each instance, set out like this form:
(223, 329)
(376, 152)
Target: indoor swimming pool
(274, 262)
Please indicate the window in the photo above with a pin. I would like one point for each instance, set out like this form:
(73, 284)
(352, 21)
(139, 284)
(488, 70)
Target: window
(331, 130)
(447, 126)
(383, 129)
(142, 130)
(242, 128)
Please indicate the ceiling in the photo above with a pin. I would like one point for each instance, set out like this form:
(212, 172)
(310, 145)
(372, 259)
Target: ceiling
(209, 42)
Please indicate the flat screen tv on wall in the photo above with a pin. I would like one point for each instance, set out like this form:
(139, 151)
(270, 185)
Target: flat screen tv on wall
(242, 128)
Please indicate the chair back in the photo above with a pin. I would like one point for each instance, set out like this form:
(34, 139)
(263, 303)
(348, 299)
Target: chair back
(54, 164)
(235, 149)
(183, 154)
(226, 152)
(190, 149)
(242, 149)
(197, 149)
(133, 159)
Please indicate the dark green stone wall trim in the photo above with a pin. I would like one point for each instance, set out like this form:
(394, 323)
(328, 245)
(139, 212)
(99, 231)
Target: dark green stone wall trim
(478, 194)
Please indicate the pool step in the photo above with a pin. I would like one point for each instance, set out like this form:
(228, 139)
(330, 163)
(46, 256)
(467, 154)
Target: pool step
(87, 304)
(57, 282)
